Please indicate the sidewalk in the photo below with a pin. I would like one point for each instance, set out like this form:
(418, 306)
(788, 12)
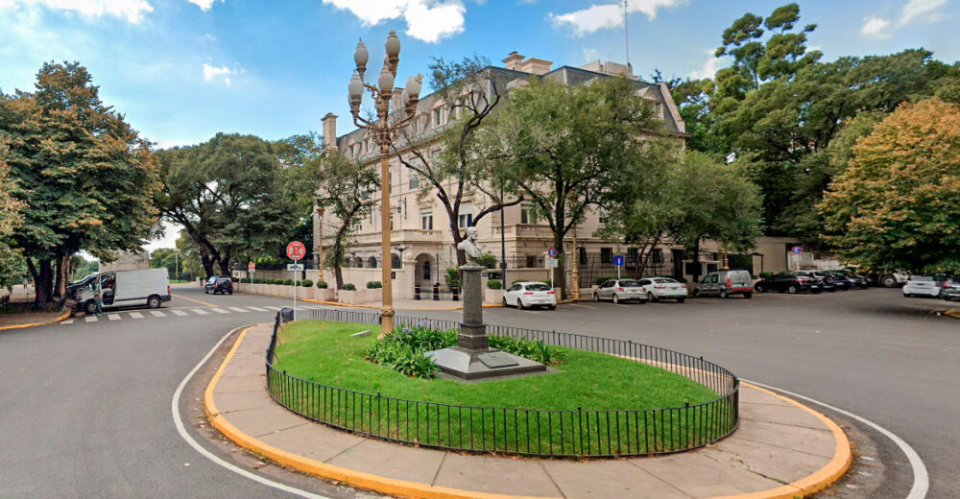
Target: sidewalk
(779, 442)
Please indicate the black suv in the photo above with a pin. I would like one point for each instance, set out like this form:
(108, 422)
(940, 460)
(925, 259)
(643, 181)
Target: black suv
(790, 282)
(220, 284)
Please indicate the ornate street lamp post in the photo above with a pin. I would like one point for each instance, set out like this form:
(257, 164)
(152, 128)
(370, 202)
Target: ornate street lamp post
(384, 132)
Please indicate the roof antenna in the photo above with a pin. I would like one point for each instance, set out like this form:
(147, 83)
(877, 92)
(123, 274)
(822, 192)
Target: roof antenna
(626, 38)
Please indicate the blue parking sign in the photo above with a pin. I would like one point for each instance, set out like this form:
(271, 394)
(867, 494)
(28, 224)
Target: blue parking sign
(618, 260)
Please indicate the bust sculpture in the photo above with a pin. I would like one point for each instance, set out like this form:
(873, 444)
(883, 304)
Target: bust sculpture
(470, 246)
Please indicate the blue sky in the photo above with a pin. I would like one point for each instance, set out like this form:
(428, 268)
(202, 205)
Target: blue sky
(182, 70)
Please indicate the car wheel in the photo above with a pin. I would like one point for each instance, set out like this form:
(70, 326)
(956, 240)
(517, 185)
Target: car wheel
(748, 295)
(230, 292)
(90, 307)
(723, 294)
(153, 302)
(520, 305)
(206, 291)
(552, 307)
(681, 300)
(697, 293)
(759, 288)
(908, 295)
(505, 302)
(834, 290)
(792, 289)
(888, 281)
(616, 299)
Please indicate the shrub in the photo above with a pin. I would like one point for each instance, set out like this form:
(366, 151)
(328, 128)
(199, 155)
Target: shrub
(374, 285)
(322, 284)
(602, 279)
(288, 282)
(403, 349)
(245, 280)
(537, 351)
(349, 287)
(766, 275)
(487, 260)
(453, 277)
(494, 284)
(307, 283)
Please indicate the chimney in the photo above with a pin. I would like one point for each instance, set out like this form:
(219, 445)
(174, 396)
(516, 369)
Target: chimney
(536, 66)
(329, 131)
(512, 62)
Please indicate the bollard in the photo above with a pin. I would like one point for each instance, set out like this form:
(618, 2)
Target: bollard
(416, 292)
(456, 292)
(436, 291)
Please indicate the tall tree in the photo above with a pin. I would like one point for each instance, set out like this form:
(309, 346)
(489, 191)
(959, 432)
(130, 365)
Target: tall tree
(190, 263)
(165, 258)
(10, 259)
(228, 194)
(472, 93)
(85, 178)
(568, 146)
(897, 205)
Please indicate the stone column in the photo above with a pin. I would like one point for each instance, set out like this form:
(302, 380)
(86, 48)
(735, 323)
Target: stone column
(473, 334)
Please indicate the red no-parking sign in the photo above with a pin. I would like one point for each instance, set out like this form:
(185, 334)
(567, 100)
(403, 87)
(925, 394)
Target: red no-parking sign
(296, 250)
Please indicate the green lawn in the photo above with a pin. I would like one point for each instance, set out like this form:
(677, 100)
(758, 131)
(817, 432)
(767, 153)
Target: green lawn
(324, 352)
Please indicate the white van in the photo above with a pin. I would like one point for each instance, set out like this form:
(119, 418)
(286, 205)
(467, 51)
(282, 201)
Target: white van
(126, 288)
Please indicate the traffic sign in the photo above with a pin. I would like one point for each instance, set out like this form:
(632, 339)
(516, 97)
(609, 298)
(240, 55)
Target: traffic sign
(798, 249)
(618, 260)
(294, 267)
(553, 252)
(296, 250)
(552, 263)
(251, 267)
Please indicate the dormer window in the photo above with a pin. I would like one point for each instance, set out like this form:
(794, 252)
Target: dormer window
(438, 117)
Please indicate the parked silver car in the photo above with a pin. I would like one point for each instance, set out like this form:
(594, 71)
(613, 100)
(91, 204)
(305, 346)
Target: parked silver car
(725, 283)
(664, 288)
(618, 290)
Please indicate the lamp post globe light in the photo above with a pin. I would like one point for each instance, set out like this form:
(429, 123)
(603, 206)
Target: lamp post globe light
(384, 132)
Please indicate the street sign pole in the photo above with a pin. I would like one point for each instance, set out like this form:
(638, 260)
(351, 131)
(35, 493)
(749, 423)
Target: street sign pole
(295, 292)
(295, 251)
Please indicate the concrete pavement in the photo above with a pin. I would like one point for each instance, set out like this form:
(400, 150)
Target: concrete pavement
(781, 449)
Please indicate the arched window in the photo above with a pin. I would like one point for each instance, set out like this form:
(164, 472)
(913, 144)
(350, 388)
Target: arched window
(372, 262)
(426, 270)
(358, 263)
(395, 261)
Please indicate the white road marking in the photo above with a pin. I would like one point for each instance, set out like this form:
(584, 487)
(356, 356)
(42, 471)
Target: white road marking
(181, 313)
(136, 315)
(921, 480)
(199, 311)
(114, 317)
(156, 313)
(238, 309)
(68, 321)
(209, 455)
(272, 308)
(257, 309)
(220, 310)
(91, 318)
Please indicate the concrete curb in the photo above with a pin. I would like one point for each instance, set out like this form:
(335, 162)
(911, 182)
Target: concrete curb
(815, 482)
(36, 324)
(376, 307)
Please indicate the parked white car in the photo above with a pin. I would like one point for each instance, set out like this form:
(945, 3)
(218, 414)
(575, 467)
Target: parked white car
(618, 290)
(664, 288)
(922, 285)
(530, 294)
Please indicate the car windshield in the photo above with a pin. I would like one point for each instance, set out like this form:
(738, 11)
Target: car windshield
(629, 284)
(925, 278)
(664, 280)
(537, 287)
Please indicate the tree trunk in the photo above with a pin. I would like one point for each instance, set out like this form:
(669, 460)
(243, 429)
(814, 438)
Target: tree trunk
(224, 267)
(207, 263)
(63, 270)
(696, 261)
(560, 273)
(44, 284)
(338, 275)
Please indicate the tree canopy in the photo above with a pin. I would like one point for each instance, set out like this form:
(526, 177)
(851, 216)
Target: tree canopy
(897, 205)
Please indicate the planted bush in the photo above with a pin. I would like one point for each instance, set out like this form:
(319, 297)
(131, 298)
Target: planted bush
(322, 284)
(534, 350)
(288, 282)
(494, 284)
(603, 279)
(374, 285)
(349, 287)
(307, 283)
(403, 350)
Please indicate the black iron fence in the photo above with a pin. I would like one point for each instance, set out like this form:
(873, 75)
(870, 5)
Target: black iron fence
(544, 433)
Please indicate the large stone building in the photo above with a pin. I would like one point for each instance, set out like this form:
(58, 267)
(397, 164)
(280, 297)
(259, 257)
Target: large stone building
(421, 238)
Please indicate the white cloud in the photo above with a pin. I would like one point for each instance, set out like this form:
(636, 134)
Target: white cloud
(916, 8)
(590, 55)
(605, 16)
(709, 67)
(204, 4)
(427, 20)
(876, 27)
(211, 72)
(130, 10)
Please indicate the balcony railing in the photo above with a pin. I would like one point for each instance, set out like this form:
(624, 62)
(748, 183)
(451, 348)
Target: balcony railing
(524, 230)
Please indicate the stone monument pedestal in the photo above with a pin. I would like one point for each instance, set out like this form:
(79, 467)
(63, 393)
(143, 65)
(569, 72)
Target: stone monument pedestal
(473, 358)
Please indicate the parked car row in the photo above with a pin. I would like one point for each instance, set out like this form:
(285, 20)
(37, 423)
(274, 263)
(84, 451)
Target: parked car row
(812, 281)
(936, 286)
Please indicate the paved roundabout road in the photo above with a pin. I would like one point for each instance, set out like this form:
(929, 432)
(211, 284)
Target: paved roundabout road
(85, 406)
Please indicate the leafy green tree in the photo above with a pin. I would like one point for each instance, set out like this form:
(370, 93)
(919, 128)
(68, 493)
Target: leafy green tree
(568, 146)
(460, 166)
(897, 205)
(165, 258)
(229, 196)
(190, 264)
(84, 177)
(11, 261)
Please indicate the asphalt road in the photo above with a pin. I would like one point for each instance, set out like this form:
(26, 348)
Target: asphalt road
(85, 407)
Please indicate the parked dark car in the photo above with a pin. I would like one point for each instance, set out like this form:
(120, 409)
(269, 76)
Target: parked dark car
(827, 282)
(82, 283)
(220, 284)
(789, 282)
(852, 279)
(950, 289)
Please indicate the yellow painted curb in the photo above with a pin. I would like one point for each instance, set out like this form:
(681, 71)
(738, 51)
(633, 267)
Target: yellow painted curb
(954, 313)
(819, 480)
(36, 324)
(193, 300)
(822, 478)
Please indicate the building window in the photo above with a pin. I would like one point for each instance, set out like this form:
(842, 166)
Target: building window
(657, 256)
(527, 214)
(372, 262)
(466, 220)
(632, 255)
(531, 261)
(606, 255)
(583, 255)
(426, 220)
(395, 261)
(391, 221)
(414, 180)
(437, 117)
